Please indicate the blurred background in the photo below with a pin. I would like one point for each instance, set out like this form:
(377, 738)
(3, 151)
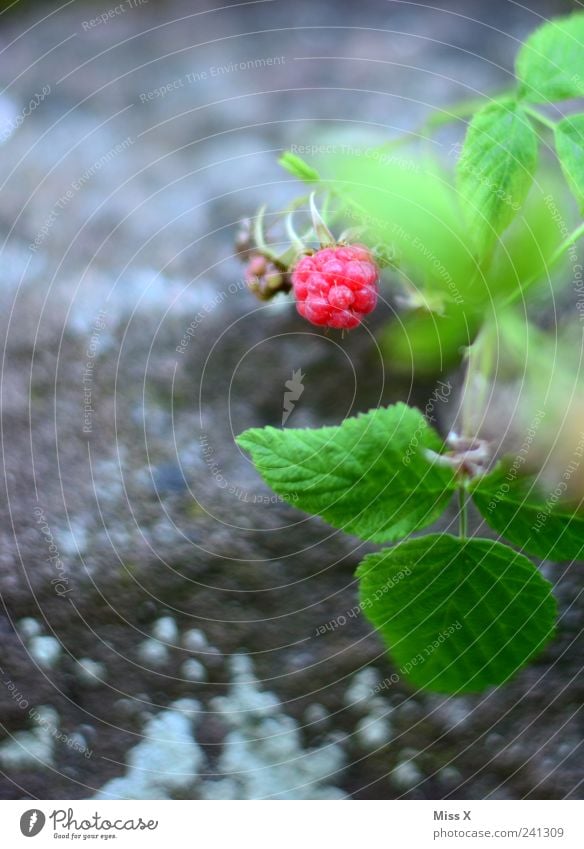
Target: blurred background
(167, 630)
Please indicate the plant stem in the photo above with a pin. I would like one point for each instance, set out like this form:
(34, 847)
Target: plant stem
(462, 513)
(542, 119)
(480, 360)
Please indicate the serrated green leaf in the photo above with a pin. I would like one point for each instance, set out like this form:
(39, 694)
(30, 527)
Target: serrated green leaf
(495, 169)
(569, 135)
(458, 615)
(368, 477)
(517, 509)
(550, 64)
(298, 168)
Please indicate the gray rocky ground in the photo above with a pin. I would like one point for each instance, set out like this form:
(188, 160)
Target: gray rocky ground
(125, 501)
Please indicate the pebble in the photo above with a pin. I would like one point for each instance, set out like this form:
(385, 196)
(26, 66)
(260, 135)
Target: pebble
(406, 775)
(90, 671)
(194, 640)
(192, 670)
(28, 627)
(154, 652)
(45, 650)
(373, 731)
(165, 629)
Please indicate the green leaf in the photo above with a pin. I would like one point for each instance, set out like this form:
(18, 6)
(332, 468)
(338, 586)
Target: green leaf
(526, 253)
(427, 343)
(515, 507)
(457, 615)
(369, 476)
(298, 168)
(549, 65)
(570, 148)
(495, 169)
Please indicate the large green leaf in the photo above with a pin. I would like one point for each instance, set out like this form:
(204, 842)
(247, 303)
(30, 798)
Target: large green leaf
(407, 202)
(495, 169)
(517, 509)
(457, 615)
(550, 64)
(570, 148)
(369, 476)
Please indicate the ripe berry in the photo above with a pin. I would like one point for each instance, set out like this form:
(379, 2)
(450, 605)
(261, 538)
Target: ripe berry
(336, 286)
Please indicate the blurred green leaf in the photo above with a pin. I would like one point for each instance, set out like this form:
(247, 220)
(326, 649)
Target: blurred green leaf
(458, 615)
(410, 204)
(570, 148)
(299, 168)
(549, 65)
(495, 170)
(425, 342)
(526, 253)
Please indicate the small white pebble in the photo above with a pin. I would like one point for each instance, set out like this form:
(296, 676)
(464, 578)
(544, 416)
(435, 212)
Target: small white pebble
(362, 687)
(242, 668)
(29, 627)
(406, 774)
(165, 630)
(194, 640)
(27, 749)
(316, 713)
(193, 670)
(77, 742)
(90, 671)
(151, 651)
(450, 774)
(373, 731)
(45, 650)
(47, 718)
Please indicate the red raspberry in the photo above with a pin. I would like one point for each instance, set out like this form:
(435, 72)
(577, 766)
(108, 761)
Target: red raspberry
(336, 287)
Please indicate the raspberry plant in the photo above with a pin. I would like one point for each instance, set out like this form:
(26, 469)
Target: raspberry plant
(469, 260)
